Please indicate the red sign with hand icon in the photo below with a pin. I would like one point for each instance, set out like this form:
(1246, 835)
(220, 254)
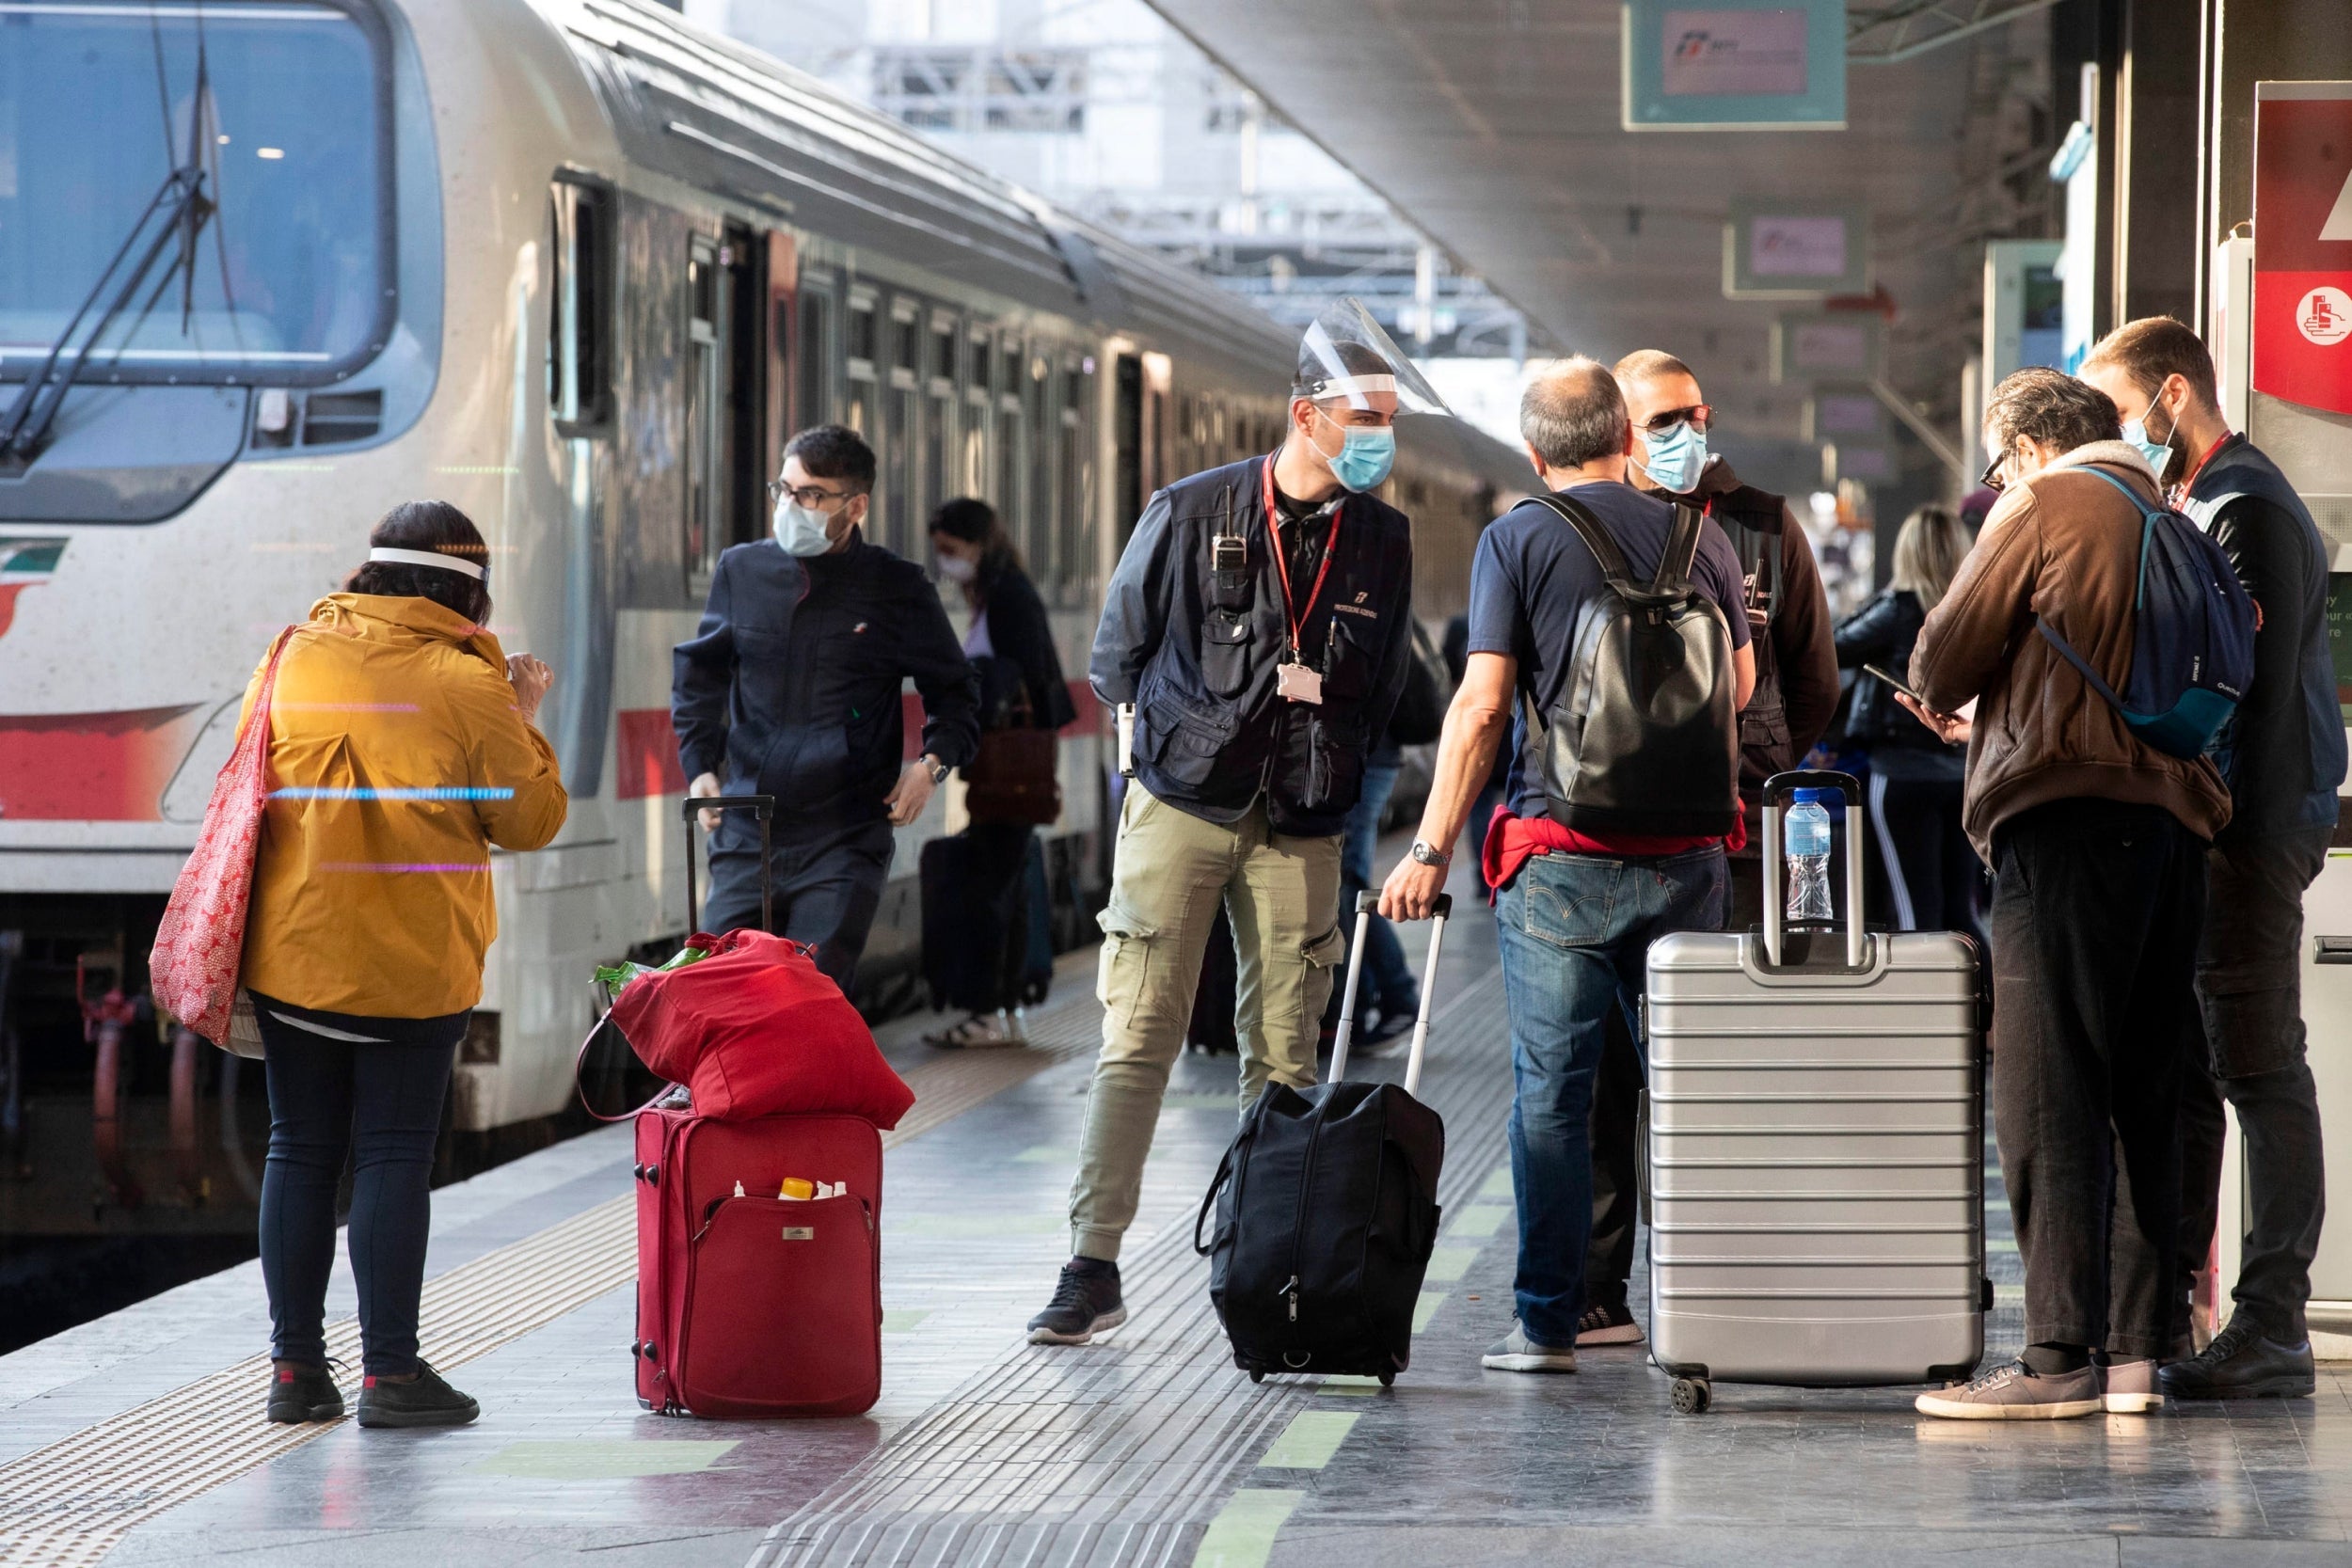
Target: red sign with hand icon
(2303, 243)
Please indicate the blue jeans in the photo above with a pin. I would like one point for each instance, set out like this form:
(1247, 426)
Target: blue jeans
(1388, 983)
(1575, 932)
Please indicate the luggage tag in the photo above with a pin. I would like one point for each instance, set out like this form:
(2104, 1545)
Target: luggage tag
(1298, 683)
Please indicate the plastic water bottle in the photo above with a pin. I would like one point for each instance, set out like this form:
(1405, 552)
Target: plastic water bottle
(1805, 834)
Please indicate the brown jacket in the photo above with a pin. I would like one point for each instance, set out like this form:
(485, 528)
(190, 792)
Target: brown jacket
(2065, 546)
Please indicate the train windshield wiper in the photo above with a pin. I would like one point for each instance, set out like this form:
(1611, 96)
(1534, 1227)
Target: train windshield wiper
(183, 208)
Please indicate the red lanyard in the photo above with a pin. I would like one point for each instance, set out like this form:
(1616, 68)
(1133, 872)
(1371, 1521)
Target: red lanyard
(1298, 621)
(2190, 478)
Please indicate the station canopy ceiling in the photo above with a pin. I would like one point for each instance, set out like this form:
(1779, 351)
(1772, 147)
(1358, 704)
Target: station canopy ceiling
(1494, 125)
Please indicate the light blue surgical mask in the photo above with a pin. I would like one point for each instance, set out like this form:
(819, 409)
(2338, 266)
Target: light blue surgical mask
(801, 529)
(2158, 453)
(1365, 456)
(1673, 459)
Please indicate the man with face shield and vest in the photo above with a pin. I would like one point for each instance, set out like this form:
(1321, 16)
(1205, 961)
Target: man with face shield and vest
(1259, 622)
(790, 687)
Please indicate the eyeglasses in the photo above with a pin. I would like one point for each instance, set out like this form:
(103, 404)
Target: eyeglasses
(811, 495)
(1698, 417)
(1992, 478)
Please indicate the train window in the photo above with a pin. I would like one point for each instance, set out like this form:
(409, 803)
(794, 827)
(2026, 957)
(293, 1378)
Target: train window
(1070, 553)
(706, 331)
(906, 338)
(939, 447)
(1008, 506)
(943, 349)
(900, 433)
(1044, 429)
(818, 352)
(863, 346)
(580, 302)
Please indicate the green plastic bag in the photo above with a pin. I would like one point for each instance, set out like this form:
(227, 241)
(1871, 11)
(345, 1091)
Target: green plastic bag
(615, 977)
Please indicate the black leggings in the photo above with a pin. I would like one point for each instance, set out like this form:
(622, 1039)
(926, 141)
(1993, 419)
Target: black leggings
(381, 1105)
(1932, 872)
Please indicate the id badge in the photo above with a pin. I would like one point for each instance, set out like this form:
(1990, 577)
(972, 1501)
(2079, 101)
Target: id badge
(1298, 684)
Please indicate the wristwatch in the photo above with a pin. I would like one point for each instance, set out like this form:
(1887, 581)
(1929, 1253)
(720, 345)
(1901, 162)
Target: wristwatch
(939, 770)
(1425, 853)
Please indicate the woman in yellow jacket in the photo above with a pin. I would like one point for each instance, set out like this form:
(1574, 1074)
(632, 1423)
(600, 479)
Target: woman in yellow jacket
(402, 747)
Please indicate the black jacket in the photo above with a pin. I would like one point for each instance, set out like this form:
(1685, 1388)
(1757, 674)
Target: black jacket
(1197, 656)
(2284, 751)
(790, 685)
(1023, 663)
(1796, 672)
(1881, 633)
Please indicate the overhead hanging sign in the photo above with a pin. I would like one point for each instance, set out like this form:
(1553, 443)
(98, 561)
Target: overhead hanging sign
(1794, 251)
(1836, 346)
(2302, 315)
(1844, 414)
(1734, 65)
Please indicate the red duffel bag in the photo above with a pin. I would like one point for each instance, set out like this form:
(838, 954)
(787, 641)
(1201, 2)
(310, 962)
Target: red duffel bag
(755, 1030)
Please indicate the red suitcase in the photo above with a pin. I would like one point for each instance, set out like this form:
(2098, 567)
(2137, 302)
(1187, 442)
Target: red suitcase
(756, 1306)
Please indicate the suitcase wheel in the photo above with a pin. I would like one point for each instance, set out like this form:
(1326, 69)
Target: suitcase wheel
(1256, 1376)
(1692, 1396)
(1388, 1380)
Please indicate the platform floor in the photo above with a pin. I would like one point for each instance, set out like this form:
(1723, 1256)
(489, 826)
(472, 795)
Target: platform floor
(137, 1439)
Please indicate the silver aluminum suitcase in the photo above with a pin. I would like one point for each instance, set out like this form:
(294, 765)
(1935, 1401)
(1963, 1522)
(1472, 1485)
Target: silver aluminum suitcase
(1815, 1145)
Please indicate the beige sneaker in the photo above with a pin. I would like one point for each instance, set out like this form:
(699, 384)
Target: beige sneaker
(2130, 1388)
(2012, 1392)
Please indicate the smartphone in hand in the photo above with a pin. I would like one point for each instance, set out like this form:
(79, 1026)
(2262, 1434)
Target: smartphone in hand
(1896, 681)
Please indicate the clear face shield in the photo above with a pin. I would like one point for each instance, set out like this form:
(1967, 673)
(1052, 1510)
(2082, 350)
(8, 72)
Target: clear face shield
(1359, 381)
(1347, 357)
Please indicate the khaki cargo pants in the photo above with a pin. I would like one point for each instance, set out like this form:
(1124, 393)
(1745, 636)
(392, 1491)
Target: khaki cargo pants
(1171, 872)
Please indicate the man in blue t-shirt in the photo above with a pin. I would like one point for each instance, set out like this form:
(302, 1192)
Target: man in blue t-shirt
(1575, 912)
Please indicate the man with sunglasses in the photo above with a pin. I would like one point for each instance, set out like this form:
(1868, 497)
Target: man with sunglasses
(790, 689)
(1796, 691)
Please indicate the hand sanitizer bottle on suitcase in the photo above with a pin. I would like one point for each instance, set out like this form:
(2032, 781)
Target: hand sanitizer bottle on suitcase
(1808, 858)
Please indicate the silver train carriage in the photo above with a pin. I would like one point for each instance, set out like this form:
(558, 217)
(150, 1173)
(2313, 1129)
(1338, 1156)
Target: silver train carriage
(577, 267)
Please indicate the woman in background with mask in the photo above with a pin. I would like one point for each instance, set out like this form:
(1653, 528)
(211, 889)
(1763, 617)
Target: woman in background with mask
(1011, 645)
(1932, 875)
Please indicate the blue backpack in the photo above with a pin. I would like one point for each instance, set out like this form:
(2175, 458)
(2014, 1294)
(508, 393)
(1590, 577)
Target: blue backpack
(2192, 637)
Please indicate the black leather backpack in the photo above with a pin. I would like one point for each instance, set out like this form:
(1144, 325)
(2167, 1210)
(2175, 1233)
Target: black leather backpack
(1645, 736)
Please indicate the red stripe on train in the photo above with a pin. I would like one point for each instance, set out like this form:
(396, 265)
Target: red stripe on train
(645, 746)
(91, 766)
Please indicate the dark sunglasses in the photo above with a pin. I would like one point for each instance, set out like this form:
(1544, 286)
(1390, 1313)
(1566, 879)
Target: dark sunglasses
(1992, 478)
(1698, 417)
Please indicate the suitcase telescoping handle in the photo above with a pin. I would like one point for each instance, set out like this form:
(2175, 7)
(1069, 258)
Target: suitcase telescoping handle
(1367, 904)
(1775, 788)
(764, 808)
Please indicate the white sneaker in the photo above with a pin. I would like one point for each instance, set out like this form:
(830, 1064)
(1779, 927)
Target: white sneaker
(1516, 1353)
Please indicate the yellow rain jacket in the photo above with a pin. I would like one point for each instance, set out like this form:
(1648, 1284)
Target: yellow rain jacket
(397, 757)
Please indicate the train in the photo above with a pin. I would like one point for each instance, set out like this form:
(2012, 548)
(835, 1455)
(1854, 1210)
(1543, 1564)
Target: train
(578, 267)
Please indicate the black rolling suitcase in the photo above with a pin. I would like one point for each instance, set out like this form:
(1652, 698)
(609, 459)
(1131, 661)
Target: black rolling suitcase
(1327, 1207)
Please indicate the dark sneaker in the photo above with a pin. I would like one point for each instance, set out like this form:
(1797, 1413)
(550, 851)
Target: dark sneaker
(1516, 1353)
(1086, 1303)
(1607, 1325)
(300, 1393)
(2243, 1363)
(2014, 1392)
(2130, 1388)
(424, 1402)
